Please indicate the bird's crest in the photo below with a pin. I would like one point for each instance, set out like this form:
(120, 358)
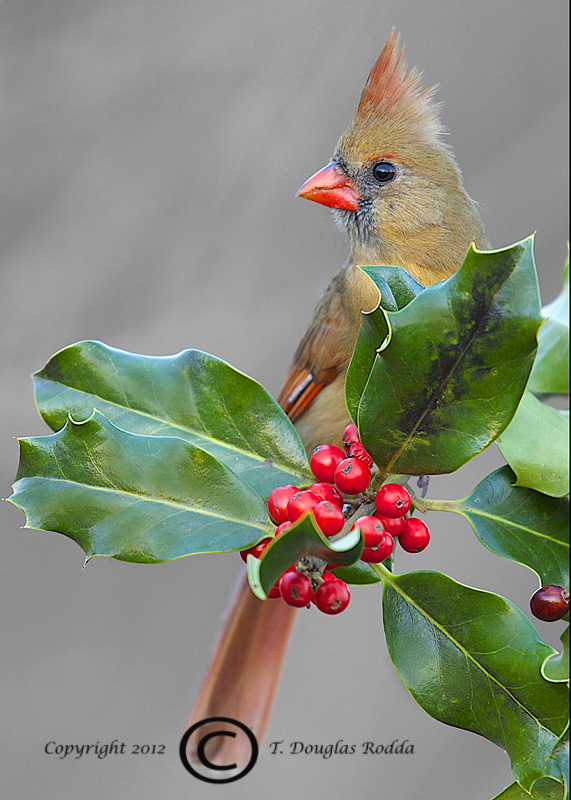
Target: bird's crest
(390, 88)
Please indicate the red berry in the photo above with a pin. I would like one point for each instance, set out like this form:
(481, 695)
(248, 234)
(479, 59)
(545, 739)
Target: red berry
(392, 500)
(350, 436)
(281, 528)
(358, 451)
(295, 588)
(372, 529)
(329, 517)
(378, 553)
(549, 603)
(278, 500)
(415, 535)
(352, 476)
(327, 576)
(332, 597)
(323, 461)
(327, 492)
(256, 550)
(392, 525)
(300, 502)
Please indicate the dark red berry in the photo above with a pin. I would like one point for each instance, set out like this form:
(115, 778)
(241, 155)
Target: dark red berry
(300, 502)
(352, 476)
(392, 500)
(332, 597)
(374, 555)
(283, 527)
(372, 529)
(392, 525)
(358, 451)
(549, 603)
(278, 500)
(256, 550)
(350, 436)
(327, 492)
(324, 460)
(329, 517)
(415, 535)
(295, 588)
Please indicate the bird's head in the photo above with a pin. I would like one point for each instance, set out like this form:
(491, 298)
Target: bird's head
(392, 183)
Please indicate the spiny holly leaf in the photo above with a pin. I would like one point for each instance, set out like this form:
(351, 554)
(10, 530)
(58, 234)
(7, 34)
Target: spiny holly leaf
(518, 524)
(550, 373)
(536, 446)
(396, 289)
(556, 667)
(192, 395)
(303, 539)
(544, 789)
(448, 376)
(135, 498)
(396, 286)
(472, 659)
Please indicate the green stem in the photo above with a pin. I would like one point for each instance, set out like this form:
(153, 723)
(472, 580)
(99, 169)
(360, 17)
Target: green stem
(383, 573)
(434, 505)
(419, 505)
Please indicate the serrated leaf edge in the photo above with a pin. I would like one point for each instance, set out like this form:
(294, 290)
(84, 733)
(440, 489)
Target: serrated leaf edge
(143, 498)
(37, 376)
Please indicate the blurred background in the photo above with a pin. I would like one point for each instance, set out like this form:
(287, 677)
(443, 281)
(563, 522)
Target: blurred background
(150, 156)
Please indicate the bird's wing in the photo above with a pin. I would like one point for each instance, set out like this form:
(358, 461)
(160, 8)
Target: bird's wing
(319, 357)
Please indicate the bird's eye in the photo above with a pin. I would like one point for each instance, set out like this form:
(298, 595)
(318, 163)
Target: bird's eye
(384, 171)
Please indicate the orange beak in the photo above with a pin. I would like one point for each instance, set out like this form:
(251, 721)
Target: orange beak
(330, 188)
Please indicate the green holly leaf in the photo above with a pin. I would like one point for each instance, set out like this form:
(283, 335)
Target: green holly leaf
(138, 498)
(396, 289)
(450, 367)
(556, 667)
(550, 373)
(358, 573)
(544, 789)
(560, 757)
(192, 395)
(518, 524)
(303, 539)
(472, 659)
(396, 286)
(536, 446)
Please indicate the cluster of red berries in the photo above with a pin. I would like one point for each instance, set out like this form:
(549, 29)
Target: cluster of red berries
(549, 603)
(392, 503)
(349, 473)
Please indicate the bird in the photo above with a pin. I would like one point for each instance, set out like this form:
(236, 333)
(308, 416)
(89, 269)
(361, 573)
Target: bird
(396, 192)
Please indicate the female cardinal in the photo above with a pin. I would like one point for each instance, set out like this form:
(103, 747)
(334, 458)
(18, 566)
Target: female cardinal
(396, 190)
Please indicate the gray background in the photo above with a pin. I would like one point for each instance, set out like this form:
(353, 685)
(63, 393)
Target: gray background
(150, 156)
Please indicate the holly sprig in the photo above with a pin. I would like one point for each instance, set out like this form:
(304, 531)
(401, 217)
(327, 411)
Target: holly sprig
(155, 458)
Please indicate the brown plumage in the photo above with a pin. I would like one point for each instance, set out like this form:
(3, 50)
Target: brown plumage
(397, 193)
